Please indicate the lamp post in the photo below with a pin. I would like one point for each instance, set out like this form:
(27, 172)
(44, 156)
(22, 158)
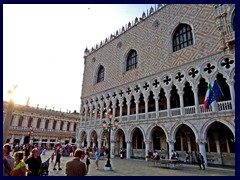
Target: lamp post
(109, 127)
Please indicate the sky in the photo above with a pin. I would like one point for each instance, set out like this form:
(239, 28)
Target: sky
(43, 48)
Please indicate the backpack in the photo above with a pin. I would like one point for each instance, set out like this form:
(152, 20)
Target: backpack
(177, 155)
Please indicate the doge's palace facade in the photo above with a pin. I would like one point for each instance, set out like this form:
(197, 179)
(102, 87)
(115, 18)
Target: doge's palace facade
(152, 75)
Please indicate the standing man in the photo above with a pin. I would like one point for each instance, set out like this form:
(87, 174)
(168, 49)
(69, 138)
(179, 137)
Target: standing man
(34, 163)
(58, 154)
(200, 161)
(75, 167)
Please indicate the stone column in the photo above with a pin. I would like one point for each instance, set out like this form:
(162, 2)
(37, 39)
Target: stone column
(181, 140)
(128, 149)
(65, 126)
(99, 143)
(71, 128)
(34, 122)
(146, 106)
(86, 111)
(120, 105)
(78, 143)
(50, 124)
(40, 141)
(195, 92)
(22, 140)
(25, 122)
(181, 102)
(90, 117)
(42, 124)
(216, 137)
(147, 145)
(101, 110)
(12, 139)
(114, 110)
(156, 98)
(189, 147)
(58, 125)
(128, 109)
(202, 149)
(95, 113)
(107, 108)
(112, 155)
(170, 147)
(167, 94)
(137, 109)
(232, 92)
(15, 120)
(114, 101)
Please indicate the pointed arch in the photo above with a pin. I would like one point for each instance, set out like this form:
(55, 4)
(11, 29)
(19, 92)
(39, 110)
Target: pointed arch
(100, 74)
(182, 37)
(131, 60)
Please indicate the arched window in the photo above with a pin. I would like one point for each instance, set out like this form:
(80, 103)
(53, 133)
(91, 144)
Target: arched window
(131, 60)
(183, 37)
(100, 74)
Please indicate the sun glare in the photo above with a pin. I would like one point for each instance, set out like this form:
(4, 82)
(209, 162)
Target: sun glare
(19, 96)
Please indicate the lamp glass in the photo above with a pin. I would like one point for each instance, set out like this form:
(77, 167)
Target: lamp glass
(116, 123)
(110, 116)
(104, 124)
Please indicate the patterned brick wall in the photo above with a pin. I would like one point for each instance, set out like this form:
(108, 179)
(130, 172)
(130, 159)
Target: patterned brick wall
(153, 45)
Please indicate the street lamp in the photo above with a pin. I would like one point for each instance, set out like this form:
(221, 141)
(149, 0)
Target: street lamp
(109, 127)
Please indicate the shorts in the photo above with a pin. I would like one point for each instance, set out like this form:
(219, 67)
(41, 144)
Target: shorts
(57, 160)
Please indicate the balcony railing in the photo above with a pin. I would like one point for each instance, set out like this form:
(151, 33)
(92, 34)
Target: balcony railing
(189, 110)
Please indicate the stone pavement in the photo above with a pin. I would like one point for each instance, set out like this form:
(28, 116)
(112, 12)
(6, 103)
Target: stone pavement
(135, 167)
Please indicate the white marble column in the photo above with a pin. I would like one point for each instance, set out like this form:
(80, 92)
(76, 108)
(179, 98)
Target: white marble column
(12, 139)
(202, 149)
(101, 110)
(22, 140)
(128, 108)
(156, 98)
(128, 149)
(120, 106)
(99, 143)
(146, 106)
(232, 92)
(65, 125)
(95, 113)
(58, 125)
(112, 153)
(147, 145)
(195, 92)
(71, 127)
(180, 92)
(137, 109)
(90, 116)
(25, 122)
(50, 124)
(168, 104)
(42, 123)
(34, 122)
(15, 120)
(170, 147)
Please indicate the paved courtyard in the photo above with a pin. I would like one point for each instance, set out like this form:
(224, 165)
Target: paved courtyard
(134, 167)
